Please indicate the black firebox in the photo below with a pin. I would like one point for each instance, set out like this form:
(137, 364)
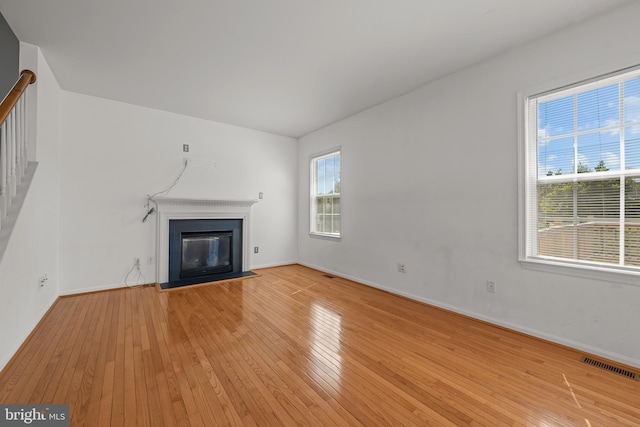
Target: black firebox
(205, 252)
(206, 249)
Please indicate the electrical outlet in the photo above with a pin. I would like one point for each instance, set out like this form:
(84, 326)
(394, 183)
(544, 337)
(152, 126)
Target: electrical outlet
(185, 148)
(491, 286)
(42, 281)
(150, 260)
(136, 262)
(402, 268)
(256, 249)
(260, 195)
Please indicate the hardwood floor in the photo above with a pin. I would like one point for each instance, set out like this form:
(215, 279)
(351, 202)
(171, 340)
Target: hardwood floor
(293, 347)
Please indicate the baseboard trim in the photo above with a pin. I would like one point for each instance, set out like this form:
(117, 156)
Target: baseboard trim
(553, 339)
(8, 358)
(87, 290)
(275, 264)
(92, 289)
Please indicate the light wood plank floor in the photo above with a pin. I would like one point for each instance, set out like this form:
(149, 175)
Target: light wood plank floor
(292, 347)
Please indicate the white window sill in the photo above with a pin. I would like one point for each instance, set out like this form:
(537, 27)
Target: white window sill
(593, 272)
(335, 237)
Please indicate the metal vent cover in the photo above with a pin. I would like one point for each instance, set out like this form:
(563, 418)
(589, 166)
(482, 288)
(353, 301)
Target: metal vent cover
(611, 368)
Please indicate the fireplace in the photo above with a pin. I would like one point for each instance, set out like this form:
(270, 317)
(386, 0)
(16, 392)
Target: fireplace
(204, 248)
(205, 253)
(202, 241)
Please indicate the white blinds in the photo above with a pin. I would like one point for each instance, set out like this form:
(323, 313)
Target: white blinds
(583, 173)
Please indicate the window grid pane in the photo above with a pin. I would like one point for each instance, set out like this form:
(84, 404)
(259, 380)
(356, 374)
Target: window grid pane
(632, 221)
(556, 224)
(632, 101)
(632, 147)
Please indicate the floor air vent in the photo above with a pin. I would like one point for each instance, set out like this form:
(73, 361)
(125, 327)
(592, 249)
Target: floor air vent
(607, 367)
(328, 276)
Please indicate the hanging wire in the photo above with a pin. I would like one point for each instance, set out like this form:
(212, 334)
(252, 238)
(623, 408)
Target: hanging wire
(164, 192)
(152, 209)
(140, 274)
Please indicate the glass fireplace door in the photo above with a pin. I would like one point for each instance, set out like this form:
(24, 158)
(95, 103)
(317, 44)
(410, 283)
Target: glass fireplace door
(205, 253)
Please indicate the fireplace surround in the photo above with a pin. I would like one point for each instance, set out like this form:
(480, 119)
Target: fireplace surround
(192, 216)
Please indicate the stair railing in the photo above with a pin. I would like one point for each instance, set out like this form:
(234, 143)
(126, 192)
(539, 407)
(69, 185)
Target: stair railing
(13, 140)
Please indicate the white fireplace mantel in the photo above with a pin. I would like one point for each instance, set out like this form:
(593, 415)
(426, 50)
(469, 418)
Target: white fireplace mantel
(169, 209)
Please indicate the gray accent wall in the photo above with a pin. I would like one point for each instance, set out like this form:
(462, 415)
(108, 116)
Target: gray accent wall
(9, 57)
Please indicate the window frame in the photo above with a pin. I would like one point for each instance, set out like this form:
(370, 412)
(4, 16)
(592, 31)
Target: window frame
(528, 185)
(313, 159)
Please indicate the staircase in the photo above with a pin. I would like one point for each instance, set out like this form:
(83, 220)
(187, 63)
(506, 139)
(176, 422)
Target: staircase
(14, 165)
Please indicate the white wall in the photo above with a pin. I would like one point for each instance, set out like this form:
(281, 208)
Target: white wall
(430, 179)
(113, 154)
(32, 251)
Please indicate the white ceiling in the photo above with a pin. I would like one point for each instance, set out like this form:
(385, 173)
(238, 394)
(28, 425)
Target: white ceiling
(283, 66)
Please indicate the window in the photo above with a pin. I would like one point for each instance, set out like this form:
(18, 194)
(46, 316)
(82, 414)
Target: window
(582, 175)
(325, 194)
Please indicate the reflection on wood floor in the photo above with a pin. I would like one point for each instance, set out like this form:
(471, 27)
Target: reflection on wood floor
(292, 347)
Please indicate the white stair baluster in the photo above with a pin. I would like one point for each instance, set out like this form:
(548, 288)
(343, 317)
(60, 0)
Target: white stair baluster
(11, 145)
(18, 130)
(23, 120)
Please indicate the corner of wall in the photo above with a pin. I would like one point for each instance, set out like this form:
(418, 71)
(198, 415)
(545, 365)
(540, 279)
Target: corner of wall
(32, 251)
